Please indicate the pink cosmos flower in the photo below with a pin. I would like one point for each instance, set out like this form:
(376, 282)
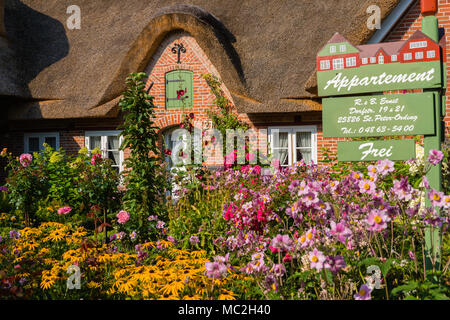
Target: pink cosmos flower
(282, 242)
(64, 210)
(385, 166)
(435, 156)
(316, 259)
(436, 198)
(377, 220)
(363, 293)
(95, 158)
(402, 189)
(335, 264)
(310, 198)
(123, 217)
(366, 186)
(372, 171)
(447, 201)
(340, 231)
(25, 159)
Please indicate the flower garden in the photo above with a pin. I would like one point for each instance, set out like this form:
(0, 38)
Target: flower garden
(336, 231)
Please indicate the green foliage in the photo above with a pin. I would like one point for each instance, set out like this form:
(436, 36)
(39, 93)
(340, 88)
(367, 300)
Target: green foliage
(224, 118)
(145, 186)
(53, 180)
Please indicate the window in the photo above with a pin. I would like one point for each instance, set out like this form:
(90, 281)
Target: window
(431, 54)
(351, 62)
(373, 59)
(291, 145)
(419, 55)
(364, 61)
(394, 57)
(176, 143)
(33, 142)
(381, 59)
(342, 48)
(407, 56)
(333, 49)
(338, 64)
(108, 142)
(324, 64)
(179, 89)
(417, 44)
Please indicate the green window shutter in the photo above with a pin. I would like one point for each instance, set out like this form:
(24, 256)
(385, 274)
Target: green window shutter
(177, 81)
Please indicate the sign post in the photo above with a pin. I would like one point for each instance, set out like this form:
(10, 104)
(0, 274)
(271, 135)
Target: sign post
(416, 63)
(433, 235)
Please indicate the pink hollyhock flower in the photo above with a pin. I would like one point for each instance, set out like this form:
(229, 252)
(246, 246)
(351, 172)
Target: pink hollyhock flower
(245, 169)
(385, 166)
(340, 231)
(123, 217)
(95, 158)
(64, 210)
(25, 159)
(250, 156)
(287, 258)
(436, 198)
(363, 293)
(377, 220)
(366, 186)
(316, 259)
(435, 156)
(256, 170)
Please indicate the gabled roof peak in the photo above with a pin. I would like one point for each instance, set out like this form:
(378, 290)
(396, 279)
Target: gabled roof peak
(338, 38)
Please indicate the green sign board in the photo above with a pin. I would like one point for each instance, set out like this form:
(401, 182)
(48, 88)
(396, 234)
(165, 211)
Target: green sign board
(376, 150)
(378, 78)
(379, 115)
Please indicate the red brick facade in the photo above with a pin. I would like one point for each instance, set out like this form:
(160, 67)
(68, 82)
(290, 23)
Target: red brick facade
(72, 136)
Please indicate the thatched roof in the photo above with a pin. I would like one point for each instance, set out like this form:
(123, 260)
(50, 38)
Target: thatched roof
(264, 50)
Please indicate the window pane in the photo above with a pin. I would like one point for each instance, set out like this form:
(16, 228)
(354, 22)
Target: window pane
(303, 139)
(51, 141)
(282, 155)
(283, 140)
(33, 145)
(95, 142)
(304, 155)
(114, 156)
(113, 143)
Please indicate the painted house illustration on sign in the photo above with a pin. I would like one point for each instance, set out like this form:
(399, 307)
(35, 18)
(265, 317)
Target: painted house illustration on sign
(339, 53)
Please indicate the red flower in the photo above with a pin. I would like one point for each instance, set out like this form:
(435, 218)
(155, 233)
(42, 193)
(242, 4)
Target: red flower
(191, 115)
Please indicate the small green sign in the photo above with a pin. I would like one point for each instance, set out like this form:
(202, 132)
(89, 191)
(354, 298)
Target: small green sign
(376, 150)
(380, 115)
(378, 78)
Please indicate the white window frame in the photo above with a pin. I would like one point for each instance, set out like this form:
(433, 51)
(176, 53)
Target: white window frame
(407, 56)
(431, 54)
(373, 59)
(41, 136)
(380, 59)
(394, 57)
(418, 55)
(325, 65)
(364, 60)
(333, 49)
(350, 61)
(343, 48)
(338, 64)
(104, 141)
(418, 44)
(292, 155)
